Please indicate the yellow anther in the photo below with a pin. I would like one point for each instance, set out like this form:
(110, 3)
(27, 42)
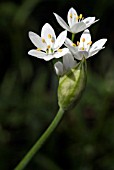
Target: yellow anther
(38, 49)
(80, 16)
(73, 44)
(48, 46)
(43, 40)
(70, 15)
(89, 43)
(49, 36)
(52, 40)
(83, 39)
(78, 43)
(82, 48)
(59, 50)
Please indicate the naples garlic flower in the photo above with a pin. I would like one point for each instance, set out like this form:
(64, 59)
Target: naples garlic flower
(75, 23)
(68, 63)
(48, 46)
(84, 48)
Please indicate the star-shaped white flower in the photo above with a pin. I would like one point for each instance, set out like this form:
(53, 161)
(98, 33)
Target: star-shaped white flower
(76, 23)
(84, 47)
(68, 63)
(47, 46)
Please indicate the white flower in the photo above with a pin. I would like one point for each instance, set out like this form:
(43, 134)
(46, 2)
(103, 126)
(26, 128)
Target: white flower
(76, 23)
(84, 47)
(68, 63)
(48, 47)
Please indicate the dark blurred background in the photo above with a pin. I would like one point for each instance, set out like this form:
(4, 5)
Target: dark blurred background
(84, 140)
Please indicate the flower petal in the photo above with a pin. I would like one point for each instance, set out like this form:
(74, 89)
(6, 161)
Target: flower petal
(35, 53)
(85, 40)
(60, 40)
(71, 17)
(48, 34)
(37, 41)
(80, 54)
(98, 44)
(68, 61)
(69, 45)
(40, 54)
(62, 22)
(94, 52)
(60, 54)
(89, 21)
(58, 68)
(78, 27)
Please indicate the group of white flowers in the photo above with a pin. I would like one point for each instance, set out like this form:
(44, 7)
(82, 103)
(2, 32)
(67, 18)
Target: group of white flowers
(49, 47)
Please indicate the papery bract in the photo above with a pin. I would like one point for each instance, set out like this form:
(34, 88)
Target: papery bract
(72, 85)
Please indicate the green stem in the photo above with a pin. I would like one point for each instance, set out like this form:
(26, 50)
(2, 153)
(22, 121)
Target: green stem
(41, 141)
(73, 36)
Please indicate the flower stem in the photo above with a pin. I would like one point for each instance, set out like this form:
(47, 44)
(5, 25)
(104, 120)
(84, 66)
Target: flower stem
(40, 141)
(73, 36)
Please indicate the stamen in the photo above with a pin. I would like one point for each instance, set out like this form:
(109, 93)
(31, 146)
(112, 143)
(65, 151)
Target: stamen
(43, 40)
(38, 49)
(49, 36)
(48, 46)
(80, 16)
(82, 48)
(70, 15)
(78, 43)
(73, 44)
(52, 40)
(59, 50)
(83, 39)
(89, 43)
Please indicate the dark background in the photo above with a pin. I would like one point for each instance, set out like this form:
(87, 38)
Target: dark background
(84, 140)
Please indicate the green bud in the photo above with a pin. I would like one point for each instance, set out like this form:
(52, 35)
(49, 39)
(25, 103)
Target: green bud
(72, 85)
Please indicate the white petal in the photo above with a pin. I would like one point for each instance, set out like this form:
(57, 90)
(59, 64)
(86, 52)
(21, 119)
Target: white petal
(62, 22)
(47, 31)
(37, 41)
(89, 20)
(98, 44)
(87, 37)
(72, 49)
(58, 68)
(60, 40)
(68, 61)
(40, 54)
(78, 27)
(94, 52)
(80, 54)
(62, 53)
(68, 41)
(71, 17)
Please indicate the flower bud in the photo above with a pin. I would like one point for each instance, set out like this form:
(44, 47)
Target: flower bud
(72, 85)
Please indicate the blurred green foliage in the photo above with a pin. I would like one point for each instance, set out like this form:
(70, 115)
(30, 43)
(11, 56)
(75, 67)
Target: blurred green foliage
(84, 139)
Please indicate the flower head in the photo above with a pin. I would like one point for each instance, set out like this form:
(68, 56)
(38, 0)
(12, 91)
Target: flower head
(67, 65)
(76, 23)
(84, 48)
(48, 46)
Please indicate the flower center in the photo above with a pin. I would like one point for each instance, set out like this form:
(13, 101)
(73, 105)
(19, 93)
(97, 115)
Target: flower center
(49, 50)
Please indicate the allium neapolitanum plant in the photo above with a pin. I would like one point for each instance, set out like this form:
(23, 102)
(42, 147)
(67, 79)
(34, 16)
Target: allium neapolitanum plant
(72, 74)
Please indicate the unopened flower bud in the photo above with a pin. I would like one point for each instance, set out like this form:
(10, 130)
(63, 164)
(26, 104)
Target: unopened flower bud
(72, 85)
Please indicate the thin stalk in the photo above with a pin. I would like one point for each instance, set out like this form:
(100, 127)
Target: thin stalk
(40, 141)
(73, 36)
